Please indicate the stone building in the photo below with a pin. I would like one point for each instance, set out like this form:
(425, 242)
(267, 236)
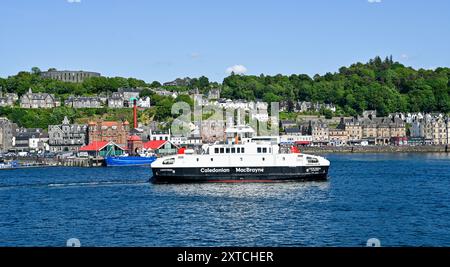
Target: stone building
(83, 102)
(432, 129)
(337, 137)
(319, 132)
(213, 130)
(38, 100)
(7, 130)
(69, 76)
(129, 95)
(109, 131)
(30, 139)
(116, 100)
(66, 136)
(214, 94)
(353, 128)
(8, 99)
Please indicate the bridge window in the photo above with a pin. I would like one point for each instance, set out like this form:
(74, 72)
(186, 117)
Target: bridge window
(233, 150)
(216, 150)
(264, 150)
(238, 150)
(222, 150)
(258, 150)
(242, 150)
(169, 161)
(228, 150)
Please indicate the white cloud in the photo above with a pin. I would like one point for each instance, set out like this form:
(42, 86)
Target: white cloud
(237, 69)
(404, 56)
(73, 1)
(374, 1)
(195, 55)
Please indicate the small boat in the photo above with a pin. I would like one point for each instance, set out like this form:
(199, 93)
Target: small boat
(129, 161)
(9, 165)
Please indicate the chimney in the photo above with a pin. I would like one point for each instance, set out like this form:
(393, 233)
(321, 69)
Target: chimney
(135, 114)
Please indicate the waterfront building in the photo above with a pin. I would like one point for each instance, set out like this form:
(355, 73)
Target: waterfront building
(159, 135)
(7, 130)
(337, 137)
(432, 129)
(102, 149)
(69, 76)
(381, 130)
(109, 131)
(303, 140)
(83, 102)
(67, 137)
(30, 139)
(319, 132)
(353, 128)
(160, 147)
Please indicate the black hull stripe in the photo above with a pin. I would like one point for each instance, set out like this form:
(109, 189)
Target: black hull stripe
(250, 174)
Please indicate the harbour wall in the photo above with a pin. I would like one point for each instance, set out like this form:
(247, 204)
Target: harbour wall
(377, 149)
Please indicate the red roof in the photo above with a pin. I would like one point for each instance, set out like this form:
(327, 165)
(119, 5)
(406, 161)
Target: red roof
(98, 145)
(155, 144)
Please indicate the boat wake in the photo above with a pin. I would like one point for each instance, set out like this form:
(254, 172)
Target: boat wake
(76, 184)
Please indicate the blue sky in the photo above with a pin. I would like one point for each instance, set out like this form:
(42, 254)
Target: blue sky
(163, 40)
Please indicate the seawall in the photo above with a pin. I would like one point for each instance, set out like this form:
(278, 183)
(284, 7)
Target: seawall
(377, 149)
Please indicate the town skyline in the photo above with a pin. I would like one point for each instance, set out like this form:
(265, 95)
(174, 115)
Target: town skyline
(165, 41)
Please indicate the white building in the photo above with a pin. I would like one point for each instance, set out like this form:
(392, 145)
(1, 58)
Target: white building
(156, 135)
(296, 139)
(144, 102)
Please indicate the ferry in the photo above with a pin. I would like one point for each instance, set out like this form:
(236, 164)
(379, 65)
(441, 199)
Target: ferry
(246, 159)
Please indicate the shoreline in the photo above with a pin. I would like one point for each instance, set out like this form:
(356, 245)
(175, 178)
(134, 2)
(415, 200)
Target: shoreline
(376, 149)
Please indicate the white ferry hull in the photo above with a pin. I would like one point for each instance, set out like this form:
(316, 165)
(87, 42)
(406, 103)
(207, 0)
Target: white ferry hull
(239, 174)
